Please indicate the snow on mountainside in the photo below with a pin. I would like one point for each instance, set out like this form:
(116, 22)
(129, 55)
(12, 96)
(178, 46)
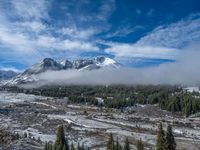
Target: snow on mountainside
(48, 64)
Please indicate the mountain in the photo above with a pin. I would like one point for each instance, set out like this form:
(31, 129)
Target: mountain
(6, 75)
(49, 64)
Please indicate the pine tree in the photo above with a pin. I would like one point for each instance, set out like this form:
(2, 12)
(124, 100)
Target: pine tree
(61, 142)
(110, 143)
(126, 146)
(64, 147)
(170, 141)
(60, 137)
(67, 144)
(72, 147)
(78, 146)
(50, 146)
(160, 145)
(140, 145)
(118, 146)
(46, 146)
(82, 147)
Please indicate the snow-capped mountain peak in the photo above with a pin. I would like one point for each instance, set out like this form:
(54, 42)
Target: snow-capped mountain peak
(44, 65)
(49, 64)
(105, 61)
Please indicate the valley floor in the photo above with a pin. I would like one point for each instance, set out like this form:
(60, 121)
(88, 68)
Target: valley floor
(35, 120)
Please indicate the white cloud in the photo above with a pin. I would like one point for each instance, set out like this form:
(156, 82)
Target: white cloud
(150, 12)
(31, 10)
(138, 11)
(124, 31)
(16, 40)
(132, 50)
(67, 45)
(164, 42)
(106, 9)
(23, 31)
(75, 33)
(10, 68)
(34, 26)
(175, 35)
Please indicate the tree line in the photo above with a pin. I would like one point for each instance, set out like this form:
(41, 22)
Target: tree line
(171, 98)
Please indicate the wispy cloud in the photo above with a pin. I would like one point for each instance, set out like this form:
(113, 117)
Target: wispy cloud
(124, 31)
(74, 33)
(150, 12)
(31, 10)
(175, 35)
(163, 42)
(138, 11)
(106, 9)
(133, 50)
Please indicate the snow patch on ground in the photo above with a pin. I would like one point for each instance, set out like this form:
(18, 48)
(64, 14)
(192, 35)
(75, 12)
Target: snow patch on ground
(6, 97)
(31, 132)
(44, 104)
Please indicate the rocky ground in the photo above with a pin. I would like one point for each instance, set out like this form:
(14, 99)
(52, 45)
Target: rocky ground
(28, 121)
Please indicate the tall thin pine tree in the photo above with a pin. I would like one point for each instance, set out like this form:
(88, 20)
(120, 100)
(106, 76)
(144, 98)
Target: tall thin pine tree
(170, 141)
(160, 144)
(126, 146)
(140, 145)
(110, 143)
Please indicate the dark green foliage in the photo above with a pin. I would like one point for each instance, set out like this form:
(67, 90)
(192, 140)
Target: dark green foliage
(81, 147)
(48, 146)
(164, 142)
(72, 147)
(118, 146)
(110, 143)
(126, 145)
(61, 143)
(170, 141)
(170, 98)
(160, 143)
(140, 145)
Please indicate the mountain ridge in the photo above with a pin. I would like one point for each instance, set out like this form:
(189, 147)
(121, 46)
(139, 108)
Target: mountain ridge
(7, 74)
(49, 64)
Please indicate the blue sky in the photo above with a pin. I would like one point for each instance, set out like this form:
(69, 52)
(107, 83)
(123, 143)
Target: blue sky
(136, 33)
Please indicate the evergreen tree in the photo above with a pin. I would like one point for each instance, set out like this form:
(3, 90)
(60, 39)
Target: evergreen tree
(140, 145)
(118, 146)
(78, 147)
(64, 147)
(61, 142)
(110, 143)
(160, 145)
(46, 146)
(72, 147)
(126, 145)
(49, 146)
(170, 141)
